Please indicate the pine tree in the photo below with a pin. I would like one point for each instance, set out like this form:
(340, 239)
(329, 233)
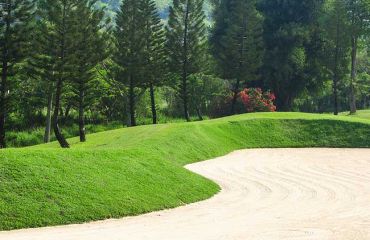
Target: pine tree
(289, 28)
(186, 38)
(358, 15)
(237, 42)
(56, 58)
(89, 50)
(130, 45)
(16, 17)
(337, 45)
(154, 51)
(40, 66)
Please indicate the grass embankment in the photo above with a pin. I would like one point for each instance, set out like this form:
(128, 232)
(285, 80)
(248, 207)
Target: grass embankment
(136, 170)
(35, 136)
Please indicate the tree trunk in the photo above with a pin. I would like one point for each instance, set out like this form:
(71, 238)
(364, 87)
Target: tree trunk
(241, 64)
(199, 113)
(4, 78)
(81, 114)
(335, 92)
(152, 100)
(336, 69)
(284, 104)
(185, 97)
(185, 66)
(57, 108)
(132, 102)
(3, 90)
(352, 95)
(62, 141)
(68, 110)
(48, 116)
(235, 97)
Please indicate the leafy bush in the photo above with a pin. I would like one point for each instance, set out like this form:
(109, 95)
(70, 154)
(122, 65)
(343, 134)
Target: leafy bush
(255, 100)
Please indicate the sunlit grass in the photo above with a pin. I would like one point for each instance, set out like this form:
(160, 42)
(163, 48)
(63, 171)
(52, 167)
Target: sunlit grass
(131, 171)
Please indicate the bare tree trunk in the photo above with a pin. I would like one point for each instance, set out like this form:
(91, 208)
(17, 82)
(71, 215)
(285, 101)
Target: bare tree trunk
(235, 96)
(132, 102)
(336, 74)
(152, 101)
(67, 111)
(185, 66)
(4, 78)
(199, 113)
(352, 95)
(241, 64)
(3, 90)
(81, 114)
(48, 117)
(335, 91)
(62, 141)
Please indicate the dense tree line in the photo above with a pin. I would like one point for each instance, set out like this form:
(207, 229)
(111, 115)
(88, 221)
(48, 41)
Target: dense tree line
(68, 59)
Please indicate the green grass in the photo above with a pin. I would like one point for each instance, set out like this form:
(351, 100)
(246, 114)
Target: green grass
(365, 114)
(35, 136)
(136, 170)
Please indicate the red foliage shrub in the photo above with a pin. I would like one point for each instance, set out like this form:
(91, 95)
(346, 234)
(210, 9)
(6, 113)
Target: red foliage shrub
(255, 100)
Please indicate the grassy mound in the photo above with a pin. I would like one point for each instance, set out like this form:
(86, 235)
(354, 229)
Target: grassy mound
(136, 170)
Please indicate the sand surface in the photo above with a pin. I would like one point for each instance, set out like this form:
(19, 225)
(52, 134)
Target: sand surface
(267, 194)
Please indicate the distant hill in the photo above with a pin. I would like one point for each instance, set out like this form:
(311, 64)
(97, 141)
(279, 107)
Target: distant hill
(113, 5)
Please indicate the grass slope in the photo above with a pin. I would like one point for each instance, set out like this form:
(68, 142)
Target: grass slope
(131, 171)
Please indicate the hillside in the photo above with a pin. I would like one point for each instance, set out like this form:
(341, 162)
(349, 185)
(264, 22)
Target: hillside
(163, 5)
(136, 170)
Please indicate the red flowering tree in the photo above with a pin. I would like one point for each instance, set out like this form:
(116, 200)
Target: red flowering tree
(255, 100)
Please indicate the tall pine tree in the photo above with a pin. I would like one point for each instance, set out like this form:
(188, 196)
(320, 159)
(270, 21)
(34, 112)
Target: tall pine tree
(337, 46)
(16, 17)
(130, 45)
(237, 42)
(186, 43)
(90, 46)
(56, 44)
(358, 15)
(290, 34)
(154, 54)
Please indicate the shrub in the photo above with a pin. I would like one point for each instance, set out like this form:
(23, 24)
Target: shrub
(255, 100)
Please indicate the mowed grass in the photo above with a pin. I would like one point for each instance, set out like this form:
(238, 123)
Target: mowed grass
(136, 170)
(365, 114)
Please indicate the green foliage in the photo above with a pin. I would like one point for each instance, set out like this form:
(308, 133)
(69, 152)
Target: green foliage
(292, 42)
(186, 43)
(136, 170)
(16, 18)
(90, 49)
(154, 51)
(358, 15)
(237, 40)
(139, 43)
(205, 91)
(165, 69)
(186, 36)
(337, 46)
(129, 42)
(162, 5)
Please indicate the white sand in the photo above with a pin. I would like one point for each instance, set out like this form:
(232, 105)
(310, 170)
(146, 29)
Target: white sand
(266, 194)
